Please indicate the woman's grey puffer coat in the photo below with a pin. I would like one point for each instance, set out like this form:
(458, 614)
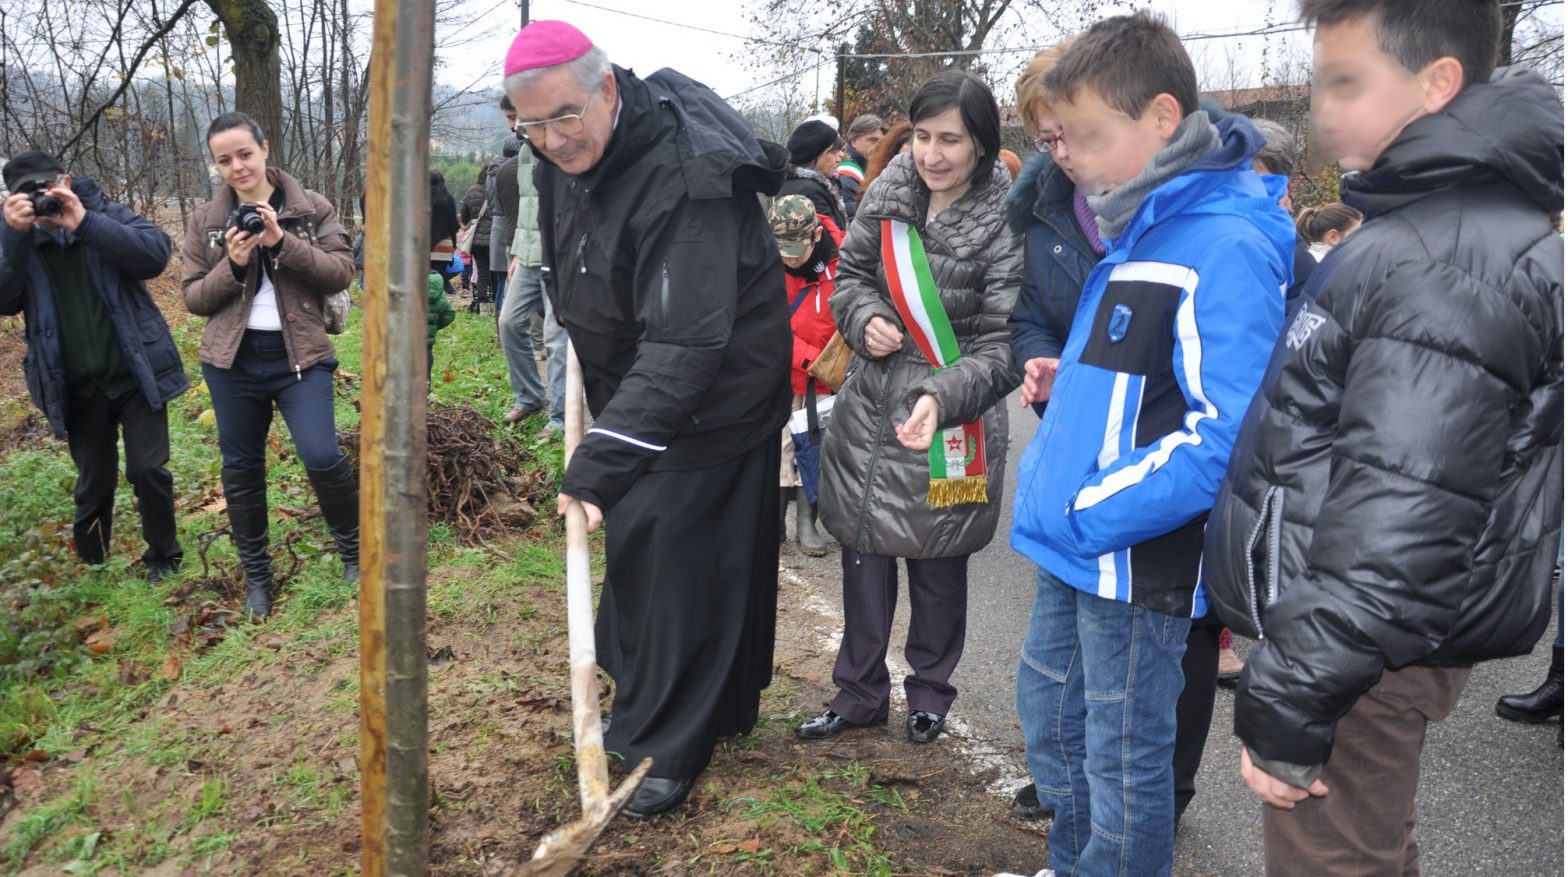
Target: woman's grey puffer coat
(873, 489)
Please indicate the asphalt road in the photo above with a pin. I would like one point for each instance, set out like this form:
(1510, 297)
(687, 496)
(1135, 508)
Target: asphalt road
(1491, 799)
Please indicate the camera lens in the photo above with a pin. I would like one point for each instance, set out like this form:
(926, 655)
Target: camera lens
(46, 205)
(253, 223)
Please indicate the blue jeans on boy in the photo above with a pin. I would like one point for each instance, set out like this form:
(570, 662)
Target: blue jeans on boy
(1097, 688)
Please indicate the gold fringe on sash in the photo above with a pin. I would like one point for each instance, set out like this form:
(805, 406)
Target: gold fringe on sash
(956, 491)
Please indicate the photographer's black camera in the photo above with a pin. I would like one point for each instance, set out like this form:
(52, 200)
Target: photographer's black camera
(45, 205)
(247, 218)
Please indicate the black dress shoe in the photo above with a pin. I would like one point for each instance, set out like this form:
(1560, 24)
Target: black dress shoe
(828, 723)
(658, 795)
(923, 727)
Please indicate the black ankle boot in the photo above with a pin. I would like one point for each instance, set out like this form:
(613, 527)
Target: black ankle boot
(245, 491)
(1541, 705)
(806, 526)
(337, 490)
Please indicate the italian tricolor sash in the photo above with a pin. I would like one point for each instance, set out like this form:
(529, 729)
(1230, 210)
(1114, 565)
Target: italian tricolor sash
(848, 168)
(957, 455)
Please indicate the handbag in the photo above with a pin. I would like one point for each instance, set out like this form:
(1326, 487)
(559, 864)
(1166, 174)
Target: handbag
(465, 238)
(830, 367)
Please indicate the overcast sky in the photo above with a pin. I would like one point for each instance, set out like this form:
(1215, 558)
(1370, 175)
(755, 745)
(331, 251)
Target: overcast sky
(721, 61)
(724, 62)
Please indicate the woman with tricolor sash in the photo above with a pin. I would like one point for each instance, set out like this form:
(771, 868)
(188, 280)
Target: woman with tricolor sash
(913, 466)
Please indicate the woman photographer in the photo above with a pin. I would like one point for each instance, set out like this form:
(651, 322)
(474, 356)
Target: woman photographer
(259, 260)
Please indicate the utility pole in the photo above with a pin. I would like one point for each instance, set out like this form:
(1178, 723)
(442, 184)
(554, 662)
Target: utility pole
(524, 5)
(838, 109)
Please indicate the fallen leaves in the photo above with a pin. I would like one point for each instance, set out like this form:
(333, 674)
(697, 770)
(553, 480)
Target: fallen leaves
(100, 641)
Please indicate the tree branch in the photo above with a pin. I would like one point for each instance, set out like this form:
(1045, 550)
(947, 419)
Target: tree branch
(130, 74)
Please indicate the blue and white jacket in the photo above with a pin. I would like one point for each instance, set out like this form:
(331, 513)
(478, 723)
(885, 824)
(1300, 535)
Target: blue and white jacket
(1169, 344)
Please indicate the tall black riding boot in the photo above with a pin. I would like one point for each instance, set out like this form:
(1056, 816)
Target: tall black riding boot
(338, 492)
(811, 542)
(1544, 703)
(245, 490)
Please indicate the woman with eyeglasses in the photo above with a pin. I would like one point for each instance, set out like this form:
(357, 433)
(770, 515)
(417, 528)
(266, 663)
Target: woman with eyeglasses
(1061, 239)
(814, 153)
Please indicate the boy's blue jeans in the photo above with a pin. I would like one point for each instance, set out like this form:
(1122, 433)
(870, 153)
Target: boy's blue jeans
(1097, 688)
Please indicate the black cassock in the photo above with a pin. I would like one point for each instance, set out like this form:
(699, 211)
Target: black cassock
(686, 616)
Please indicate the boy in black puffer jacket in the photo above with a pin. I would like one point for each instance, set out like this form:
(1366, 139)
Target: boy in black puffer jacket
(1392, 504)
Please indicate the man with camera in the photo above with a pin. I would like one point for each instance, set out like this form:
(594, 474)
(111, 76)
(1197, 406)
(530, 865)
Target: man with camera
(100, 360)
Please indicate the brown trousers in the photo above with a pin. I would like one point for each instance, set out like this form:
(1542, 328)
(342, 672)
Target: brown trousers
(1363, 828)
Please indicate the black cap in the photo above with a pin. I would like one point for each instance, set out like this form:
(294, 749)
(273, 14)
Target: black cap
(810, 140)
(31, 168)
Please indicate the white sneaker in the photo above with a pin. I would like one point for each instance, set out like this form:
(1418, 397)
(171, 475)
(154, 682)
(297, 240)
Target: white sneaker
(1044, 873)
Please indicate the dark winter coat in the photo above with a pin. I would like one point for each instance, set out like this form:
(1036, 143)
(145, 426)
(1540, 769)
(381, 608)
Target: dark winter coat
(123, 252)
(474, 208)
(666, 275)
(503, 185)
(822, 192)
(1057, 261)
(873, 488)
(1396, 494)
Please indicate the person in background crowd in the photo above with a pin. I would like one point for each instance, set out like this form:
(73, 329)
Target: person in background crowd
(444, 227)
(1012, 162)
(1324, 228)
(1278, 158)
(477, 208)
(862, 138)
(894, 144)
(525, 295)
(808, 246)
(502, 191)
(914, 461)
(1404, 456)
(438, 315)
(666, 275)
(814, 150)
(266, 344)
(100, 361)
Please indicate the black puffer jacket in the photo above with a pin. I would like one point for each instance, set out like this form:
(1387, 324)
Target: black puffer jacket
(668, 280)
(873, 488)
(823, 194)
(1396, 494)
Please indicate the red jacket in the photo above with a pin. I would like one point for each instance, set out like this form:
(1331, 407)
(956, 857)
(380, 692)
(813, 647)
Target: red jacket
(812, 323)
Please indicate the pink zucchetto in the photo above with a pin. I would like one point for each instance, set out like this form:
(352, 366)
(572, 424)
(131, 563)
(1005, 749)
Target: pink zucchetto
(545, 44)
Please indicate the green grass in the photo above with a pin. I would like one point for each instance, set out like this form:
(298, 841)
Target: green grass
(58, 696)
(830, 808)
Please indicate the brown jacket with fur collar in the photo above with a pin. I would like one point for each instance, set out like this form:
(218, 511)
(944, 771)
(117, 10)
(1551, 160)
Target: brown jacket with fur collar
(313, 261)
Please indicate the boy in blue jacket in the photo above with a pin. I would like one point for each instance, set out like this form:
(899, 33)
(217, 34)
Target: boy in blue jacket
(1172, 336)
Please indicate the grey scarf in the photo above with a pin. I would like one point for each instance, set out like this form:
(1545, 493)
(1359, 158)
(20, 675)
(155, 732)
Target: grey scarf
(1195, 137)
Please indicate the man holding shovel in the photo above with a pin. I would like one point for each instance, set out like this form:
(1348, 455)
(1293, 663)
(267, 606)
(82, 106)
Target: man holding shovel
(666, 276)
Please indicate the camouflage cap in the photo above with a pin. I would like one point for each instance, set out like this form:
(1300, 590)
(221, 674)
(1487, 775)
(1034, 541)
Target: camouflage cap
(794, 223)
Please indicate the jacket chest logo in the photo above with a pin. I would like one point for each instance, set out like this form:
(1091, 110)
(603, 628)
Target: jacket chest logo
(1305, 324)
(1121, 320)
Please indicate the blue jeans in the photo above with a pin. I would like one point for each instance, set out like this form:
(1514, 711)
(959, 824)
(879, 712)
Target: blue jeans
(555, 366)
(517, 307)
(1097, 687)
(243, 396)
